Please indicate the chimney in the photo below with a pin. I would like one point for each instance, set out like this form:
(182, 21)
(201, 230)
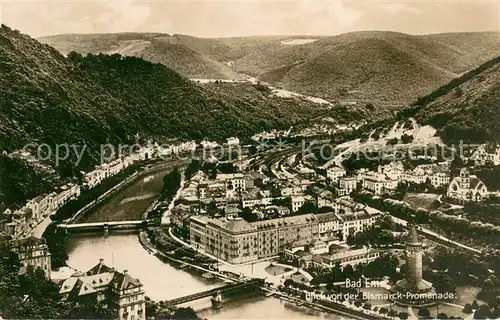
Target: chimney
(101, 261)
(125, 271)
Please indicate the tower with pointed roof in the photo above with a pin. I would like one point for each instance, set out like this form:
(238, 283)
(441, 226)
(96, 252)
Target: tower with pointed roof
(414, 252)
(413, 282)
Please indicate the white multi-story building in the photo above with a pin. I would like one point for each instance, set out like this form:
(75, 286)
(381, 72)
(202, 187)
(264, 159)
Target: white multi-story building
(297, 203)
(117, 290)
(325, 199)
(41, 205)
(33, 252)
(413, 177)
(238, 241)
(335, 173)
(329, 225)
(392, 171)
(345, 257)
(374, 182)
(347, 185)
(440, 179)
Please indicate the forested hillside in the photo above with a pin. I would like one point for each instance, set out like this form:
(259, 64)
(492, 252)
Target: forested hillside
(385, 68)
(467, 108)
(97, 99)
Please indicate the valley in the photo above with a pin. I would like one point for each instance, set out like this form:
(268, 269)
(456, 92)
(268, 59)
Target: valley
(363, 67)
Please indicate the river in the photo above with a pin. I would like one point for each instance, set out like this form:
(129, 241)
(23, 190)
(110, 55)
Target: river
(162, 281)
(130, 202)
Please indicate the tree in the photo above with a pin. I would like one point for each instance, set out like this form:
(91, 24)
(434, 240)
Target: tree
(288, 283)
(442, 315)
(392, 141)
(185, 314)
(403, 315)
(248, 215)
(475, 305)
(483, 312)
(227, 167)
(405, 138)
(151, 307)
(424, 312)
(392, 313)
(192, 168)
(252, 150)
(383, 310)
(467, 308)
(56, 241)
(443, 283)
(308, 207)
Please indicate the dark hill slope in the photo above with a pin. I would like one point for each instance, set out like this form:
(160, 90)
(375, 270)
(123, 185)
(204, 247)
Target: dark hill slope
(189, 56)
(185, 60)
(378, 66)
(48, 98)
(465, 109)
(386, 67)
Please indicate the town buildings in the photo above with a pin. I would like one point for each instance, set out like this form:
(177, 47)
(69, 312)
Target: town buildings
(106, 170)
(116, 290)
(232, 141)
(466, 187)
(437, 174)
(378, 183)
(320, 255)
(237, 241)
(334, 173)
(414, 283)
(347, 185)
(33, 252)
(485, 154)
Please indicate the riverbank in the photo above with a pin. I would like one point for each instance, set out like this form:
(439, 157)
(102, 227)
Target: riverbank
(179, 263)
(146, 191)
(272, 290)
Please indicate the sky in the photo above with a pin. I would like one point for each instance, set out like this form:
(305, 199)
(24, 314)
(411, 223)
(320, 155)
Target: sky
(228, 18)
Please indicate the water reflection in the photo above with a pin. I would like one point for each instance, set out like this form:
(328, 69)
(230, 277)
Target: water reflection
(162, 281)
(130, 202)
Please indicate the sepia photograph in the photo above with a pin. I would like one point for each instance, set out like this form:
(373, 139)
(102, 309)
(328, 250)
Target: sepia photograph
(249, 159)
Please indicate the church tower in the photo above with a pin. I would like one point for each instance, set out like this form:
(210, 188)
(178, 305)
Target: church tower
(464, 180)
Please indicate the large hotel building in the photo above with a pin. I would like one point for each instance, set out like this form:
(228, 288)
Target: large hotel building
(237, 241)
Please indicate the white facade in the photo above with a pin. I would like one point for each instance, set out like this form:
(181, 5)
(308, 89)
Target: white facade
(233, 141)
(335, 173)
(482, 156)
(467, 187)
(440, 179)
(348, 184)
(297, 203)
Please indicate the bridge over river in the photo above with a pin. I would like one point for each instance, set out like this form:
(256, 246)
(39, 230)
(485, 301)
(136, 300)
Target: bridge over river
(104, 226)
(249, 284)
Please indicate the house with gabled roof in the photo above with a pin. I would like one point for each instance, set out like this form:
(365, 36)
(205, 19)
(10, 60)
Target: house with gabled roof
(116, 290)
(466, 187)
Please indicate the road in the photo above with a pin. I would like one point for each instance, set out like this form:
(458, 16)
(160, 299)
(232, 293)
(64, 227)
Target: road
(433, 236)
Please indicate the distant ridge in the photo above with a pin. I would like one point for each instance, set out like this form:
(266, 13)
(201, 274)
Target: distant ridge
(383, 67)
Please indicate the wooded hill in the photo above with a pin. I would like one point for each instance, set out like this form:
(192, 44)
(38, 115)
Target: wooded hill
(48, 98)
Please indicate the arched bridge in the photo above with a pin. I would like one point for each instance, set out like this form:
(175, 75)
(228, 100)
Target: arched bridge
(254, 283)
